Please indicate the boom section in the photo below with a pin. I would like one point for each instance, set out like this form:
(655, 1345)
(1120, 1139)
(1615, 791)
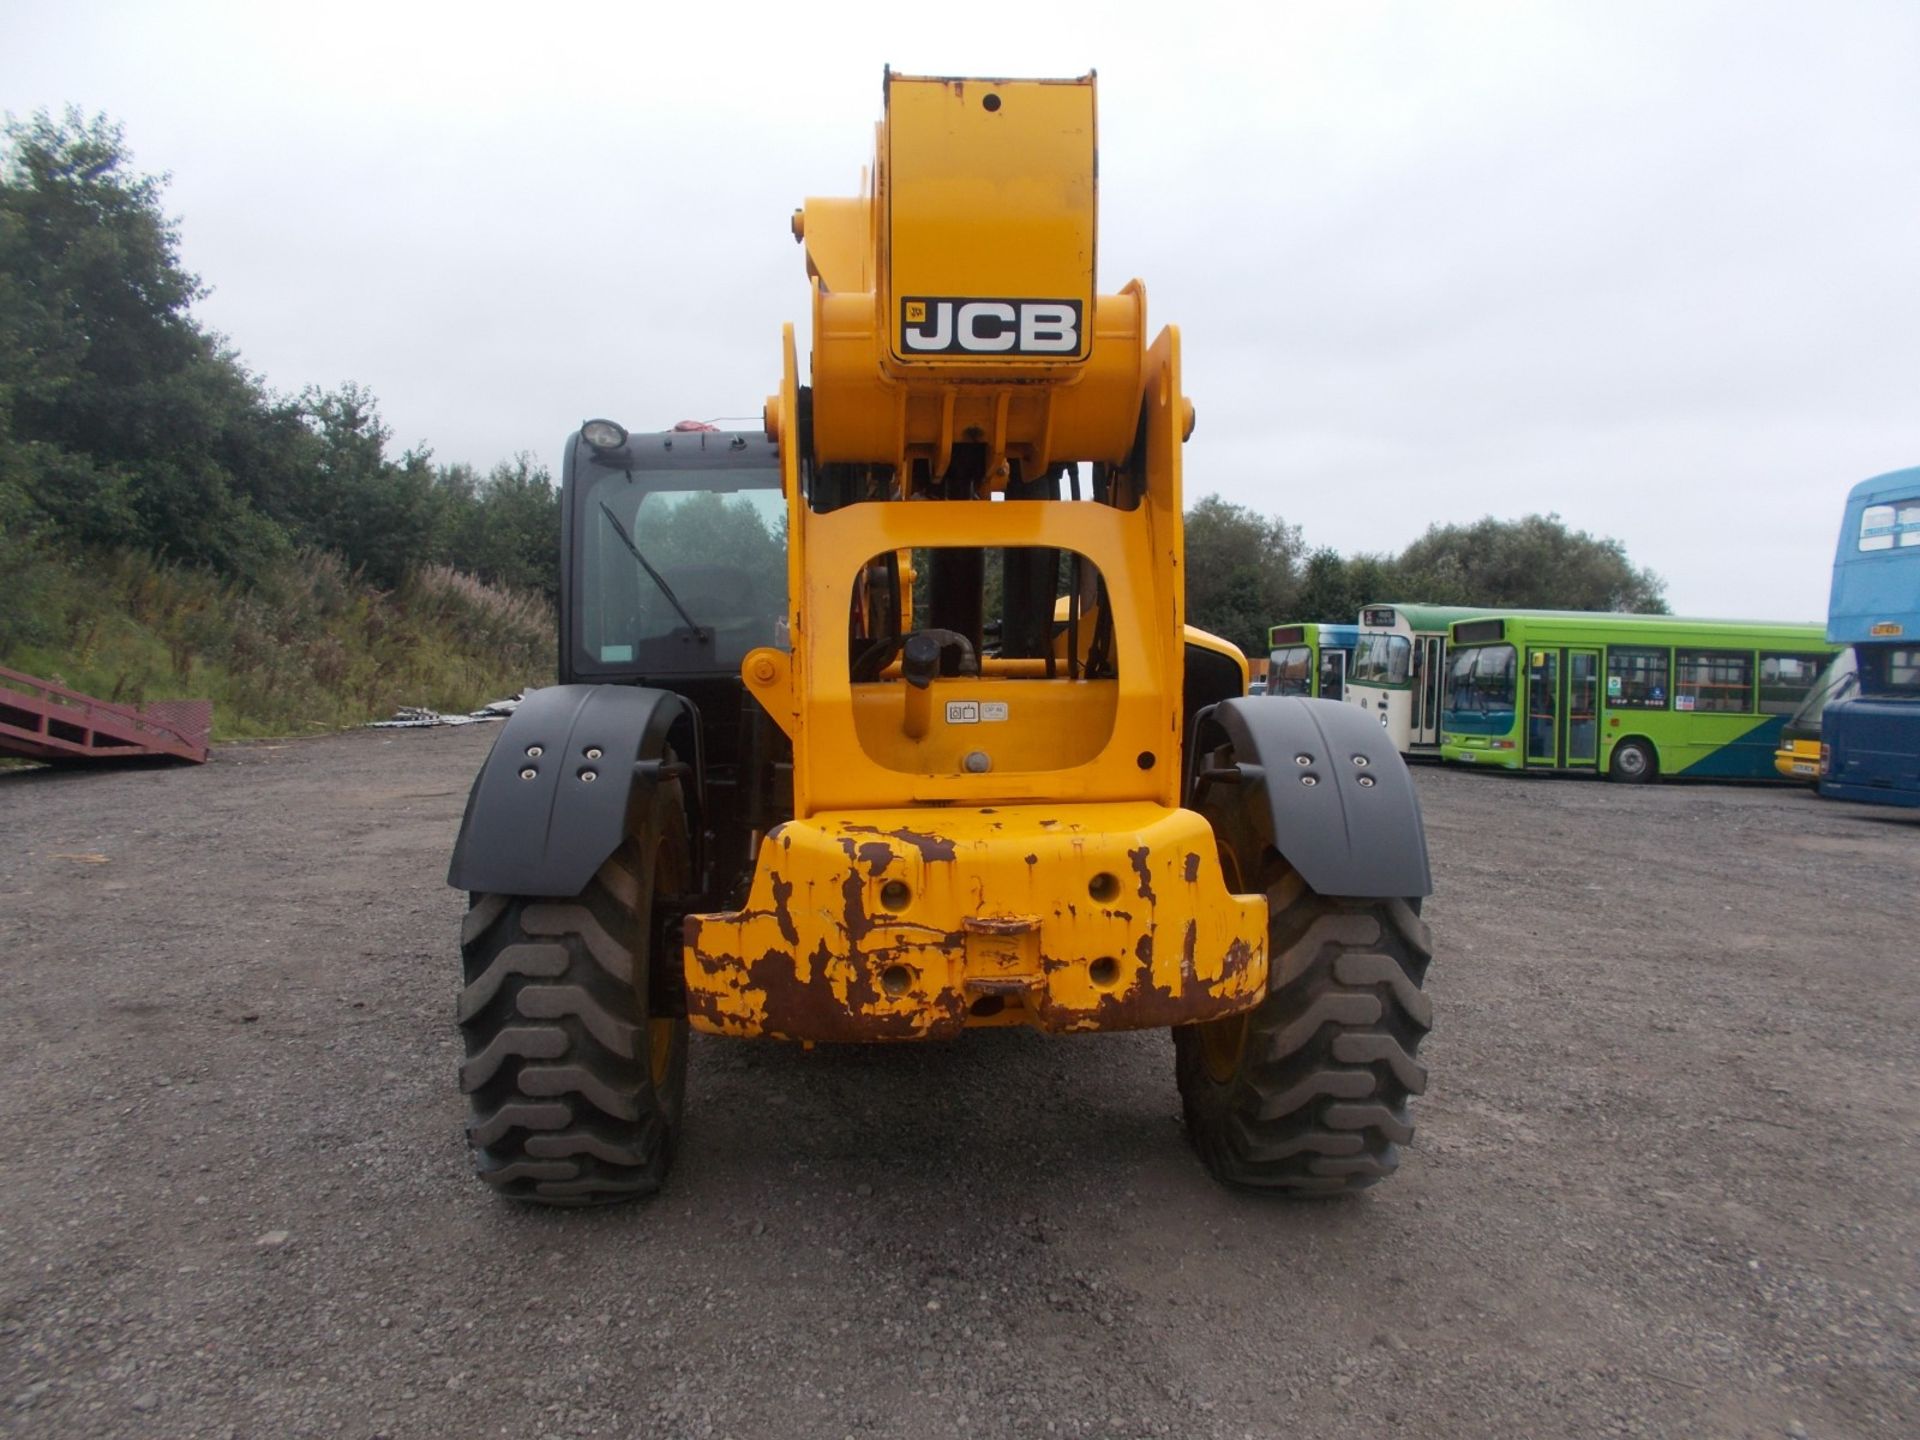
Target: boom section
(954, 300)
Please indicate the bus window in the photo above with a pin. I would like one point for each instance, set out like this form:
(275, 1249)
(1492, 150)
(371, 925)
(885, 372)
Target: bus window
(1479, 690)
(1383, 659)
(1882, 527)
(1787, 680)
(1891, 673)
(1717, 681)
(1289, 672)
(1839, 680)
(1636, 678)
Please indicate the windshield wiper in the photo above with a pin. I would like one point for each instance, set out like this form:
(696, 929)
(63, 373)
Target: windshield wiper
(700, 632)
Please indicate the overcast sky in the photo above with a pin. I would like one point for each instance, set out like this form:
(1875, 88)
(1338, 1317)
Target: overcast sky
(1654, 266)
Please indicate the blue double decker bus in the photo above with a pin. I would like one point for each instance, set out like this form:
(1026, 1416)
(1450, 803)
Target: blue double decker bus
(1870, 742)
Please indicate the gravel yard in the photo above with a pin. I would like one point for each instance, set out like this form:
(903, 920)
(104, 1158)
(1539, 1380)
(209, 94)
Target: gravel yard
(1666, 1180)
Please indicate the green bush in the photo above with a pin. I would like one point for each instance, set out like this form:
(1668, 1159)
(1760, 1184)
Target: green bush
(312, 646)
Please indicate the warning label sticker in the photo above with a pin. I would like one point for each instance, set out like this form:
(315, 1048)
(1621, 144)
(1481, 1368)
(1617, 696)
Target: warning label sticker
(976, 712)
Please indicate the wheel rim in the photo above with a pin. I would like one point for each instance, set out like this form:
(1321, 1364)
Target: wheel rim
(1222, 1042)
(659, 1050)
(1631, 760)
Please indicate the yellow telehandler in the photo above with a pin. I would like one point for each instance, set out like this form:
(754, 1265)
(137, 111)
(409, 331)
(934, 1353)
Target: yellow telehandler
(883, 721)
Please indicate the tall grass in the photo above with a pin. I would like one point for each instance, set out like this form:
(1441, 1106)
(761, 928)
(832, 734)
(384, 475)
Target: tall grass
(311, 647)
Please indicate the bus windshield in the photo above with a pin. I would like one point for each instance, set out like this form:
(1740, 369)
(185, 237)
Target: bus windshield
(1289, 671)
(1381, 659)
(1480, 690)
(1841, 679)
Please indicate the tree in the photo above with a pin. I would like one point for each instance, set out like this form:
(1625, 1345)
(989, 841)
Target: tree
(1240, 572)
(503, 527)
(1534, 563)
(1335, 587)
(121, 419)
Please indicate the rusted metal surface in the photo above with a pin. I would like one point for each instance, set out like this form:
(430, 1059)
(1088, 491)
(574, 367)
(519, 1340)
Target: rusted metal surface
(997, 920)
(43, 720)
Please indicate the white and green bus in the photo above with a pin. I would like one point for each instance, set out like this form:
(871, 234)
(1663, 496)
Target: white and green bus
(1399, 669)
(1628, 696)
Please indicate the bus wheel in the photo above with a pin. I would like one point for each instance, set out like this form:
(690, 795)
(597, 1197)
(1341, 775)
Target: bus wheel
(1633, 763)
(1306, 1094)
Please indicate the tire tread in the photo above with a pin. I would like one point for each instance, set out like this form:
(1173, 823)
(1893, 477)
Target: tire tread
(1317, 1104)
(563, 1108)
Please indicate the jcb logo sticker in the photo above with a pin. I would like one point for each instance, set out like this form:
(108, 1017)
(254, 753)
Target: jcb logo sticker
(930, 325)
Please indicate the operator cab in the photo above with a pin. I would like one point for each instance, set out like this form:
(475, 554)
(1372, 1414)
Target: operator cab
(675, 561)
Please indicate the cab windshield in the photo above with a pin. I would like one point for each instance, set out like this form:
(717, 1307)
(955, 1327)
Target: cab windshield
(682, 570)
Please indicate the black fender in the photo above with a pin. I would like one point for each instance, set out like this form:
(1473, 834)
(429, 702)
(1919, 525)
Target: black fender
(535, 823)
(1321, 782)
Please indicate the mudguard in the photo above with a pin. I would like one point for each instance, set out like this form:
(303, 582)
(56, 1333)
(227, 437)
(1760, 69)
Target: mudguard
(535, 823)
(1323, 784)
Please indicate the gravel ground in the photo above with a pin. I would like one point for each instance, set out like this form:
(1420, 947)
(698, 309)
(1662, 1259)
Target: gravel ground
(1665, 1181)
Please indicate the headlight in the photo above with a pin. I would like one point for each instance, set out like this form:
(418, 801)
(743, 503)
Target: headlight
(603, 434)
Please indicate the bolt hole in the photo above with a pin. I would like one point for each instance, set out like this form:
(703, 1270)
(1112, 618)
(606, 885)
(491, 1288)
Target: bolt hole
(1361, 761)
(990, 103)
(895, 979)
(1104, 888)
(1104, 971)
(1145, 760)
(894, 895)
(534, 752)
(1309, 779)
(592, 752)
(529, 773)
(1366, 782)
(1303, 759)
(588, 774)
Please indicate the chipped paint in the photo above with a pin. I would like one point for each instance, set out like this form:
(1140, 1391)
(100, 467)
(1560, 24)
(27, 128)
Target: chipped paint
(990, 936)
(932, 848)
(782, 894)
(1138, 859)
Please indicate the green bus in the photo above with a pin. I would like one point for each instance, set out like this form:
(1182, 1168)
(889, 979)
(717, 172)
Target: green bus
(1628, 696)
(1309, 659)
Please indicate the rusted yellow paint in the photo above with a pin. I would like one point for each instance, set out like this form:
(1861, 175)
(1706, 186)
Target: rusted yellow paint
(909, 923)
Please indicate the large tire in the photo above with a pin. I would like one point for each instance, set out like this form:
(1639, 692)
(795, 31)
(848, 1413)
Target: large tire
(1306, 1094)
(575, 1089)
